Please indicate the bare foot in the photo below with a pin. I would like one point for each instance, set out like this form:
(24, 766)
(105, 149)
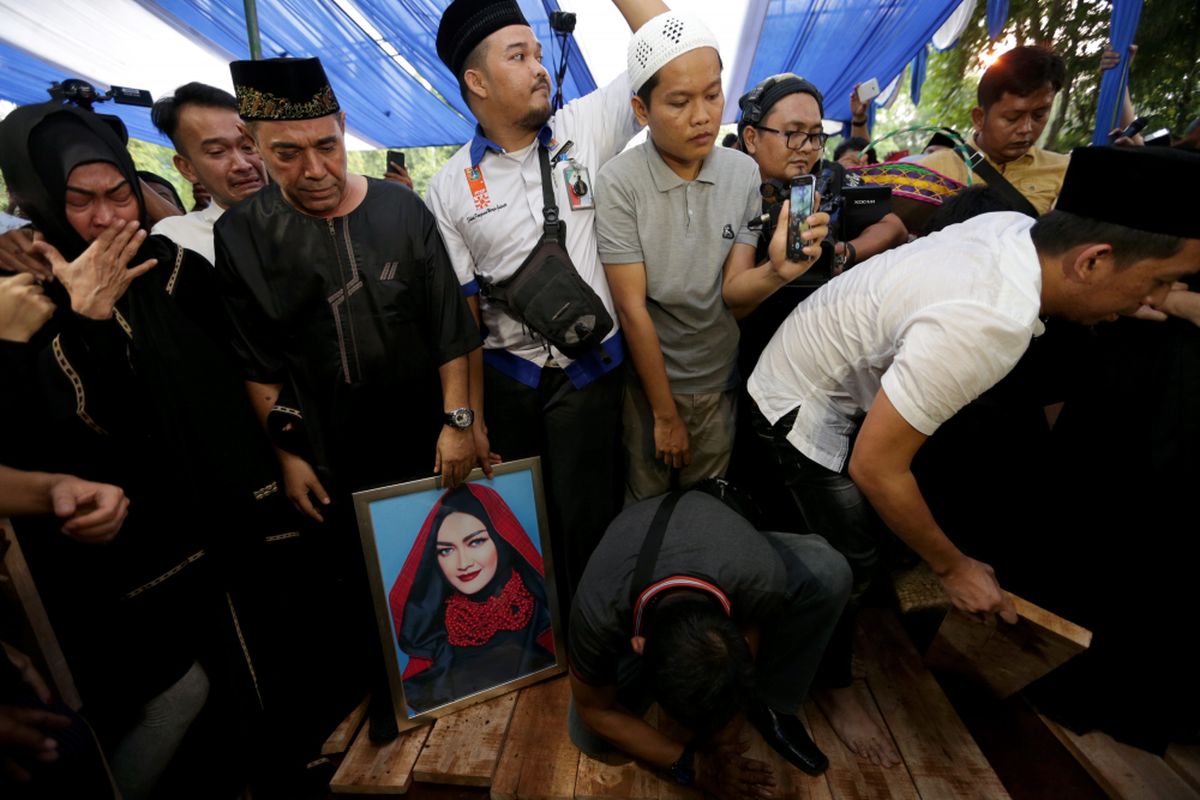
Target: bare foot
(855, 727)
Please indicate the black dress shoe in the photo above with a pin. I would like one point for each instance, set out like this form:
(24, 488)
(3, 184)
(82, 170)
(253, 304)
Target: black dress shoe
(786, 736)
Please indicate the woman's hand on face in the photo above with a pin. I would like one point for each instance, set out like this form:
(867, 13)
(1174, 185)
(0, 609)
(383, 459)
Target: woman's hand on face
(101, 275)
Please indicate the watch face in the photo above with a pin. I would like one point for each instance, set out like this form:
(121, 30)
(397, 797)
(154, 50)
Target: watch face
(461, 417)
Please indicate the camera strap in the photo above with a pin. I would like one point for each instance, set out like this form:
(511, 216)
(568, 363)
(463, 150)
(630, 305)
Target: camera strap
(992, 177)
(648, 555)
(553, 228)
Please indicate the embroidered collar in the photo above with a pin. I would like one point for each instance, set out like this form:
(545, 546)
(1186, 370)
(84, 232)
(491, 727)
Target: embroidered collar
(480, 143)
(675, 582)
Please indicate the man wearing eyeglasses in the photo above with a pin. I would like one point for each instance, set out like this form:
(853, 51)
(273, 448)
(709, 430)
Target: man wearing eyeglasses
(780, 129)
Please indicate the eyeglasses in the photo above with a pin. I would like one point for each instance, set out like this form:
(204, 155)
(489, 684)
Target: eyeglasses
(796, 140)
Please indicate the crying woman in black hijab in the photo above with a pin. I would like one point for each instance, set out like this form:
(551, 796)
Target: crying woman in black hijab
(70, 172)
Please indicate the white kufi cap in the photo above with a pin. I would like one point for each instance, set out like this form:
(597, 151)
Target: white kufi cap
(662, 39)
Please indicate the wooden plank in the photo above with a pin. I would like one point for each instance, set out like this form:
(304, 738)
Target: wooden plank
(790, 782)
(941, 756)
(343, 735)
(1123, 772)
(538, 762)
(630, 781)
(1185, 760)
(56, 671)
(1006, 658)
(463, 747)
(851, 777)
(597, 780)
(373, 769)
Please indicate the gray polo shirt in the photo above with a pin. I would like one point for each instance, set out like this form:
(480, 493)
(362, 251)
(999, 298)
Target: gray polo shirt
(682, 231)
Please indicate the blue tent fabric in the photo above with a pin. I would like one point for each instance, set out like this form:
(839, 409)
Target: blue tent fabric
(997, 16)
(918, 74)
(837, 43)
(411, 27)
(1125, 17)
(25, 78)
(383, 102)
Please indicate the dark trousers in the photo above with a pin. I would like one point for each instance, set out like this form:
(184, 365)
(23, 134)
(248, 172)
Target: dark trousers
(835, 508)
(577, 433)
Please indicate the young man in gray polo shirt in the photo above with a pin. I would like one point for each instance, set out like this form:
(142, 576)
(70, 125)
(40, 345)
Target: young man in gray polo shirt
(671, 221)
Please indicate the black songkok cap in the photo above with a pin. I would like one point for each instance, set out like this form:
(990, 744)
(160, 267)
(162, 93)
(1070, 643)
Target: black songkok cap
(466, 23)
(1100, 181)
(282, 89)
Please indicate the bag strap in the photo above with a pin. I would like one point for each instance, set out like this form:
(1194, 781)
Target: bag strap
(549, 205)
(992, 177)
(648, 556)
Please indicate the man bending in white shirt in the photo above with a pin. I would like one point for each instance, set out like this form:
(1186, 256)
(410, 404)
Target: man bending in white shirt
(897, 346)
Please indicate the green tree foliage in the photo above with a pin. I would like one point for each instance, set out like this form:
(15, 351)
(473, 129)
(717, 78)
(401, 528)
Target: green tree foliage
(1164, 80)
(159, 160)
(422, 163)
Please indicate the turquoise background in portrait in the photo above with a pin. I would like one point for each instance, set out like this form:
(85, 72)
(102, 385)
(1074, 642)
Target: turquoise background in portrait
(397, 522)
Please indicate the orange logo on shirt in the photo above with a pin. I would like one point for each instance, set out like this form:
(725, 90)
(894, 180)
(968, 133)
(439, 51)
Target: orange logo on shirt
(477, 187)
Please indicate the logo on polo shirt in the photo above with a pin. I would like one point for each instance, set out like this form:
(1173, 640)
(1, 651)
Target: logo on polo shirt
(727, 233)
(477, 187)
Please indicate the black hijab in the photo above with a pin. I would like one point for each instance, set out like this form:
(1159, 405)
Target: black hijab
(39, 146)
(186, 398)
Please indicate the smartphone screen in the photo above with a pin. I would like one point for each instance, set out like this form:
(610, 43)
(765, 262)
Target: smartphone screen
(394, 156)
(799, 209)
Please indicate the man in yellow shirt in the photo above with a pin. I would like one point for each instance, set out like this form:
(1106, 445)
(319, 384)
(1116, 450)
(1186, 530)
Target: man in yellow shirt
(1015, 96)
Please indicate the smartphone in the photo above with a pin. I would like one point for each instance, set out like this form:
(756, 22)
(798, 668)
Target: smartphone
(799, 208)
(394, 156)
(1133, 130)
(868, 90)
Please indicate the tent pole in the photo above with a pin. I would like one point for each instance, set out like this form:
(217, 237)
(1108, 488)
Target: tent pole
(252, 29)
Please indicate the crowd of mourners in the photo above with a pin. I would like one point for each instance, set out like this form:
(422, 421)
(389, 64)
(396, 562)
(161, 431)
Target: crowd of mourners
(748, 422)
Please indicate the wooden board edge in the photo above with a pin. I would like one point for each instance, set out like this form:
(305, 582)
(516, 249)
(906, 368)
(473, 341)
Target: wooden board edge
(342, 737)
(1052, 622)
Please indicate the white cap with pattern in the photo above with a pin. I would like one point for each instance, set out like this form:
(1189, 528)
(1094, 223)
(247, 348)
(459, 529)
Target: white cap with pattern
(662, 39)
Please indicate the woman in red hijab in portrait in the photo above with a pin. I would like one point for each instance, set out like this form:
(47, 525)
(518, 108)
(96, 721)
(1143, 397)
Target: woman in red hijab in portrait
(469, 604)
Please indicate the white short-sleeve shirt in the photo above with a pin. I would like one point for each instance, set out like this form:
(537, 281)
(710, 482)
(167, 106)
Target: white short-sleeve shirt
(193, 231)
(488, 204)
(934, 323)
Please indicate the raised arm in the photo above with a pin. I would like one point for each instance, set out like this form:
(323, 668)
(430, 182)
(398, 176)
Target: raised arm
(745, 285)
(638, 12)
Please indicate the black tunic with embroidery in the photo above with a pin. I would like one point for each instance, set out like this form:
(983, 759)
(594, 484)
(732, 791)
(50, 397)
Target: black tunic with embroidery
(353, 316)
(148, 400)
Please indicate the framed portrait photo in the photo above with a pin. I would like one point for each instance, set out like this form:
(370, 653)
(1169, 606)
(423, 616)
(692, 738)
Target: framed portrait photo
(463, 586)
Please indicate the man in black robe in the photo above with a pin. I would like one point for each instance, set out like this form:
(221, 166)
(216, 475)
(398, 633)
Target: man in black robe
(347, 316)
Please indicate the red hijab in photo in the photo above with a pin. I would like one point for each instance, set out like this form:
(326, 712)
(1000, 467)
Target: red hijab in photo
(512, 605)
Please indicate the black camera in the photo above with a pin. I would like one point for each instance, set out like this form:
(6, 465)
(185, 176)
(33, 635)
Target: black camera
(562, 21)
(81, 93)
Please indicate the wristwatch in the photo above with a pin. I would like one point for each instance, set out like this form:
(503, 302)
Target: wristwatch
(684, 769)
(460, 418)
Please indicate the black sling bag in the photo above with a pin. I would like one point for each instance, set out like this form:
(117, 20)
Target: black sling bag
(992, 177)
(546, 293)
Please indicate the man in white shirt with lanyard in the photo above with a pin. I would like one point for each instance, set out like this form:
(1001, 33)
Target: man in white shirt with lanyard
(488, 201)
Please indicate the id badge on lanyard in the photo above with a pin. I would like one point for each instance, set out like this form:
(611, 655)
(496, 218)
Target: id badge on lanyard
(579, 186)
